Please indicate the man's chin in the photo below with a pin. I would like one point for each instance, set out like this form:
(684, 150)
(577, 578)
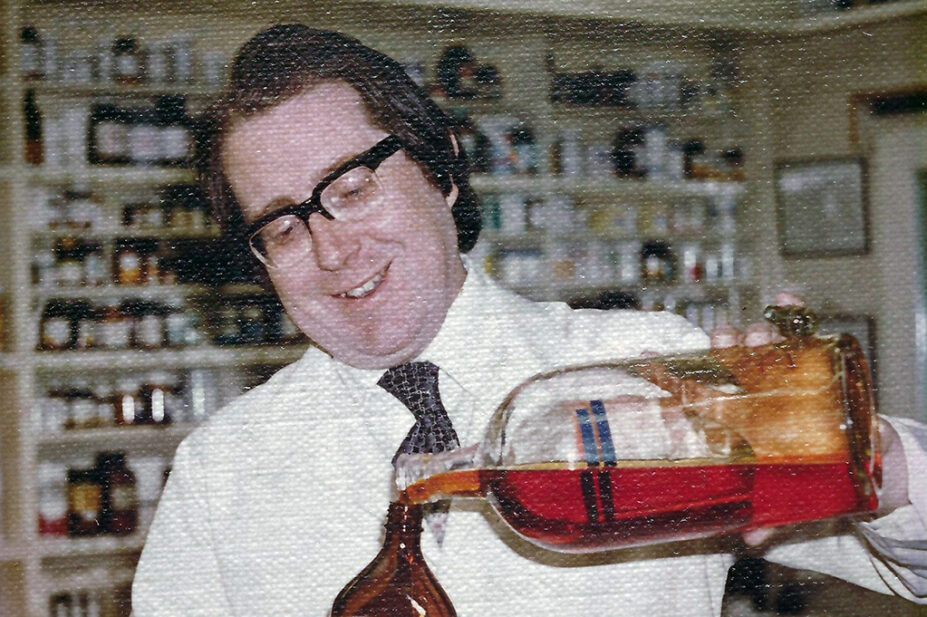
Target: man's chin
(384, 355)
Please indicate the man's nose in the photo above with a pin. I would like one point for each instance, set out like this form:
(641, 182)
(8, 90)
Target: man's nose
(333, 242)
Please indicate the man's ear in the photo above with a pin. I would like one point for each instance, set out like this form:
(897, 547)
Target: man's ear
(453, 139)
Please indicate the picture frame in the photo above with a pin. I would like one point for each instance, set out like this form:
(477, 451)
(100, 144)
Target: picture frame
(822, 207)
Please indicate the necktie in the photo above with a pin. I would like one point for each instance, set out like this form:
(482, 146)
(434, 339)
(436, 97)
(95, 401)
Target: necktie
(415, 384)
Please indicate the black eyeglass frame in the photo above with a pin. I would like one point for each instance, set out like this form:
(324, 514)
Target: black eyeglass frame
(371, 159)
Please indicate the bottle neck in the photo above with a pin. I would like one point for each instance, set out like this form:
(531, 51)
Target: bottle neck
(404, 526)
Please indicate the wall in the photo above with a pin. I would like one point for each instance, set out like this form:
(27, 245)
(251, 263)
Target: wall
(798, 96)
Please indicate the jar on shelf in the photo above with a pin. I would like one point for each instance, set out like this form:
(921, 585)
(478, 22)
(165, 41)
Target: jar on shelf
(54, 407)
(115, 326)
(175, 131)
(69, 262)
(57, 327)
(105, 399)
(161, 402)
(127, 61)
(31, 53)
(119, 499)
(94, 271)
(141, 213)
(692, 270)
(53, 499)
(61, 605)
(128, 263)
(144, 137)
(86, 318)
(43, 268)
(252, 329)
(34, 150)
(109, 135)
(128, 401)
(657, 262)
(149, 325)
(85, 502)
(178, 323)
(228, 324)
(82, 406)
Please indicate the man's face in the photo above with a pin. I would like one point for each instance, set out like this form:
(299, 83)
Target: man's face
(374, 292)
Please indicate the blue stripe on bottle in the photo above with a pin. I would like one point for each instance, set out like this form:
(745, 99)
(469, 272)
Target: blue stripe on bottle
(605, 433)
(588, 436)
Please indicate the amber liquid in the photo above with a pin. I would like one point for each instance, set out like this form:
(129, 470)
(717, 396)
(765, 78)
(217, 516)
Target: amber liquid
(599, 508)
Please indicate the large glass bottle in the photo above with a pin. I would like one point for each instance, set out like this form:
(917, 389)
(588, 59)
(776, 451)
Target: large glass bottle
(398, 582)
(670, 448)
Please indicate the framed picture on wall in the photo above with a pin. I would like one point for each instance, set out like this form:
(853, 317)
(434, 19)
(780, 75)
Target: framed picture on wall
(862, 327)
(822, 207)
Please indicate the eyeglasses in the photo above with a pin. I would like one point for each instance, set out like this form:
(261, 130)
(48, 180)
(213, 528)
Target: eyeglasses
(350, 193)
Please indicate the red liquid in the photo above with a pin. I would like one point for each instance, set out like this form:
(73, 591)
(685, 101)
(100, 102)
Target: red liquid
(579, 510)
(598, 508)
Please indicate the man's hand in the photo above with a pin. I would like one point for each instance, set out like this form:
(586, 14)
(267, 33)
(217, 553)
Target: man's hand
(756, 334)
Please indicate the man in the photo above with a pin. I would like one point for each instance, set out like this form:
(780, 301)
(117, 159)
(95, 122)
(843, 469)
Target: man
(347, 185)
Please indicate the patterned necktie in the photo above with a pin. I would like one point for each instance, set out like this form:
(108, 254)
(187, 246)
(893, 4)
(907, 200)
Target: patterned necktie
(415, 384)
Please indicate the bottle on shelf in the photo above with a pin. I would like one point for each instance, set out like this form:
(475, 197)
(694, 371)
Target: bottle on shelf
(56, 330)
(398, 582)
(161, 402)
(53, 499)
(31, 54)
(108, 142)
(143, 136)
(175, 136)
(129, 405)
(658, 262)
(119, 499)
(34, 147)
(127, 61)
(114, 326)
(85, 502)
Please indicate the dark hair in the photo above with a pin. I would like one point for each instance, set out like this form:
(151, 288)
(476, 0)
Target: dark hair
(282, 62)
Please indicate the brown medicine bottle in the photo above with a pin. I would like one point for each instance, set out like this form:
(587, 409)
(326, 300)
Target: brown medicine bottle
(398, 582)
(119, 503)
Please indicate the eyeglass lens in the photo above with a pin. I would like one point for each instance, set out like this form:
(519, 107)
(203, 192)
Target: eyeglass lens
(287, 239)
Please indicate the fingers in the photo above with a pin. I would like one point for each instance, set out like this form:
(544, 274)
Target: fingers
(725, 336)
(756, 537)
(785, 298)
(762, 333)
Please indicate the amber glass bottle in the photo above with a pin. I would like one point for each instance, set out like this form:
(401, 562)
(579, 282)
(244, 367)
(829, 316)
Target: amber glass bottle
(397, 583)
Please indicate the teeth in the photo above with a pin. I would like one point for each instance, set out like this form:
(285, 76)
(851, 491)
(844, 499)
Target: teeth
(365, 289)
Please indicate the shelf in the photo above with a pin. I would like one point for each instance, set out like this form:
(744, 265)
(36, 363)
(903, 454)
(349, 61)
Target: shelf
(12, 552)
(74, 90)
(148, 292)
(616, 188)
(109, 233)
(148, 438)
(9, 361)
(562, 291)
(119, 176)
(530, 239)
(199, 357)
(61, 548)
(835, 20)
(89, 579)
(566, 113)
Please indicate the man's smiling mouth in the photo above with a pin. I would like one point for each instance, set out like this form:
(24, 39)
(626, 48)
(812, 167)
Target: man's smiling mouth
(362, 291)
